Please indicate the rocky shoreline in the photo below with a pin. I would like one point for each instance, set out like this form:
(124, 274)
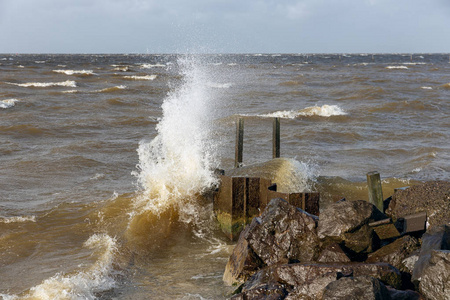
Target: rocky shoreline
(351, 251)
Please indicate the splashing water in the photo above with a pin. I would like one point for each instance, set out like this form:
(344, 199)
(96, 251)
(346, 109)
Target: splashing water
(177, 164)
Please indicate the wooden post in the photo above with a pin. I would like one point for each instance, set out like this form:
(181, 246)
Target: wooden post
(276, 138)
(239, 142)
(375, 191)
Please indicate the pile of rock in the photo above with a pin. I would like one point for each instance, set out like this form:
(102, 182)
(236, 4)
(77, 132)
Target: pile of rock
(353, 251)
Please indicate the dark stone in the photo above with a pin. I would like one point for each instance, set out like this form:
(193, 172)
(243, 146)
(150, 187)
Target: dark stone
(435, 279)
(346, 222)
(432, 197)
(243, 261)
(333, 253)
(263, 292)
(283, 233)
(304, 273)
(436, 239)
(395, 252)
(404, 295)
(356, 288)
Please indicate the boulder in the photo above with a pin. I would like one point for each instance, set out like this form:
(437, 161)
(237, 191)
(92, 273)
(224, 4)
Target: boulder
(433, 197)
(396, 252)
(283, 233)
(333, 253)
(435, 279)
(243, 261)
(404, 295)
(300, 274)
(356, 288)
(346, 222)
(438, 238)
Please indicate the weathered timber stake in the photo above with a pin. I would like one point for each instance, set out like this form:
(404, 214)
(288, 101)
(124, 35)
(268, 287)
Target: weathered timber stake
(276, 138)
(375, 191)
(239, 143)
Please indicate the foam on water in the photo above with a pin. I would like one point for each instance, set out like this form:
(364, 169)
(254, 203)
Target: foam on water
(8, 103)
(177, 165)
(322, 111)
(83, 284)
(17, 219)
(67, 83)
(145, 77)
(75, 72)
(397, 67)
(149, 66)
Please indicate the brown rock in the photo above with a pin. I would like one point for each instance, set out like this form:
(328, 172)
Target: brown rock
(395, 252)
(435, 279)
(356, 288)
(333, 253)
(432, 197)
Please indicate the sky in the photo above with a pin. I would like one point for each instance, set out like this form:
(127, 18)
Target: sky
(225, 26)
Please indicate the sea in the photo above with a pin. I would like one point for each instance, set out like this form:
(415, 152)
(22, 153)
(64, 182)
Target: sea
(105, 160)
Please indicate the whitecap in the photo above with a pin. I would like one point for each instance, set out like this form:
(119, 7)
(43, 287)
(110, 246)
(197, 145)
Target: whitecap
(219, 85)
(145, 77)
(75, 72)
(111, 89)
(84, 284)
(396, 67)
(17, 219)
(8, 103)
(149, 66)
(322, 111)
(426, 88)
(67, 83)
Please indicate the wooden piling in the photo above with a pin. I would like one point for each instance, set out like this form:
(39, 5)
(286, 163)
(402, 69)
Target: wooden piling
(375, 190)
(239, 143)
(276, 138)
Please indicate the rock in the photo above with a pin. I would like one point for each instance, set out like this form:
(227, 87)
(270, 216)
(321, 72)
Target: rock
(356, 288)
(435, 279)
(438, 238)
(432, 197)
(283, 233)
(333, 253)
(300, 274)
(263, 292)
(346, 222)
(396, 252)
(243, 261)
(404, 295)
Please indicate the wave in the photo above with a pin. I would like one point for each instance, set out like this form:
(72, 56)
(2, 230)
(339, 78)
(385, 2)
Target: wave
(426, 88)
(396, 67)
(145, 77)
(446, 86)
(219, 85)
(8, 103)
(84, 284)
(149, 66)
(121, 68)
(67, 83)
(112, 89)
(322, 111)
(75, 72)
(17, 219)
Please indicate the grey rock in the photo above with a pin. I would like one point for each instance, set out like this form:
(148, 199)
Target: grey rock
(356, 288)
(435, 279)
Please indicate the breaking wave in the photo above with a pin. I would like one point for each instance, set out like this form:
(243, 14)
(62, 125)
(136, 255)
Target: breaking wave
(17, 219)
(8, 103)
(149, 66)
(67, 83)
(145, 77)
(322, 111)
(75, 72)
(396, 67)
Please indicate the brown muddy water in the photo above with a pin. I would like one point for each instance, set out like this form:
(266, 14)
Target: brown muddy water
(103, 158)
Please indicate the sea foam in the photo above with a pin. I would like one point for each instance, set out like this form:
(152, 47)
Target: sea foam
(84, 284)
(145, 77)
(67, 83)
(322, 111)
(17, 219)
(8, 103)
(75, 72)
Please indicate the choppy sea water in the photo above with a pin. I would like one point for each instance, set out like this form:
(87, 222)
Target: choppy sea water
(103, 157)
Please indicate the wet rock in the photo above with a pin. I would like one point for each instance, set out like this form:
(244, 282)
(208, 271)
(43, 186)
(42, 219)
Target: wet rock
(333, 253)
(435, 279)
(356, 288)
(305, 273)
(438, 238)
(432, 197)
(396, 252)
(403, 295)
(243, 261)
(283, 233)
(346, 222)
(263, 292)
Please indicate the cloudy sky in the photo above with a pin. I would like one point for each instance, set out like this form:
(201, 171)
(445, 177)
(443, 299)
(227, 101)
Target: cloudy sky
(225, 26)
